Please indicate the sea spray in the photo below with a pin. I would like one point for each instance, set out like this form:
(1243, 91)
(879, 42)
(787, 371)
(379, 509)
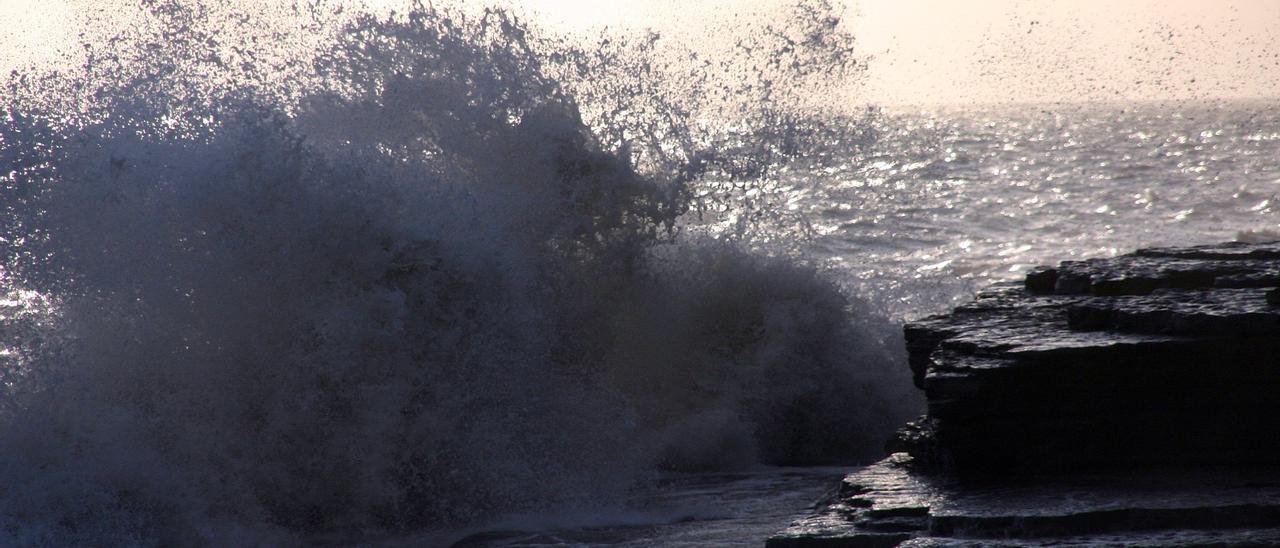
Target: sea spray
(408, 286)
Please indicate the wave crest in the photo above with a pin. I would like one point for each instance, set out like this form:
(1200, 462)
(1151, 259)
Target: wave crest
(415, 291)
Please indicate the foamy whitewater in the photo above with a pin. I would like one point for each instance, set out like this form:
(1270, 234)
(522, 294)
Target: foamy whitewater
(431, 276)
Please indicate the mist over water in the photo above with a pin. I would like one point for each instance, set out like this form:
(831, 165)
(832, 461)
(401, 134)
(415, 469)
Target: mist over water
(411, 272)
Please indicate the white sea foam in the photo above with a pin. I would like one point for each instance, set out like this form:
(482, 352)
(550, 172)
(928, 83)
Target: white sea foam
(437, 270)
(276, 277)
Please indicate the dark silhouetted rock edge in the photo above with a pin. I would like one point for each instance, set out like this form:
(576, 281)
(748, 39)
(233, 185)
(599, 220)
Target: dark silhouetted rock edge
(1126, 400)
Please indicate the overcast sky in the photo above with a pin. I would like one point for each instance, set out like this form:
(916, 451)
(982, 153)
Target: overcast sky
(947, 51)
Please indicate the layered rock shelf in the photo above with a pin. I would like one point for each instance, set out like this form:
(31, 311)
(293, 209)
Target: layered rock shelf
(1127, 400)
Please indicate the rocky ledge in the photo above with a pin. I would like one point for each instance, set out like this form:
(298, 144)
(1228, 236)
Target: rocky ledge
(1128, 400)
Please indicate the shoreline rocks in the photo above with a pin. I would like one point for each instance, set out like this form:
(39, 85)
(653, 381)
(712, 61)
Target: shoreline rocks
(1162, 364)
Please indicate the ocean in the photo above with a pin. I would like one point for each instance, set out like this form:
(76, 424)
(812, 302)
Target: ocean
(439, 277)
(966, 197)
(948, 200)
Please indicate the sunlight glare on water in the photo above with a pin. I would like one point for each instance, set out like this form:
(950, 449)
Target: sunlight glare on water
(282, 273)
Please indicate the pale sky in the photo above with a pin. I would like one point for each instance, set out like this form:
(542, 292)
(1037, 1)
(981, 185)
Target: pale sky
(1035, 50)
(960, 51)
(940, 51)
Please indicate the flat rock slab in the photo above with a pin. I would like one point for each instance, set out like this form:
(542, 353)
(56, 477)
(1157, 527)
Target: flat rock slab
(1195, 313)
(1163, 356)
(881, 505)
(891, 503)
(1232, 538)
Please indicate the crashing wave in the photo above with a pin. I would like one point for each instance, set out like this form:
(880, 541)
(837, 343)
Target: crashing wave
(402, 284)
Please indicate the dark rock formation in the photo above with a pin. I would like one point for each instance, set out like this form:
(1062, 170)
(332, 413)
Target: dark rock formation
(1096, 400)
(892, 503)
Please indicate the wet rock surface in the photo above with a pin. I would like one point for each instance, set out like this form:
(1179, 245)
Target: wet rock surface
(1126, 401)
(894, 503)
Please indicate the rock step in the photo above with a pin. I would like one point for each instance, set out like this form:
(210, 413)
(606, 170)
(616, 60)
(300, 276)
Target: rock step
(1145, 271)
(1120, 401)
(1157, 506)
(1224, 312)
(990, 328)
(1177, 538)
(1107, 521)
(1153, 361)
(884, 495)
(1223, 251)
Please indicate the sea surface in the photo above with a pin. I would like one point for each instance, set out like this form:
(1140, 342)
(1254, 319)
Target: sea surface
(308, 275)
(964, 197)
(948, 200)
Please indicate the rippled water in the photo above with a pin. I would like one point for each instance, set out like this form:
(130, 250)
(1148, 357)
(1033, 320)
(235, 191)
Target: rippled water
(946, 201)
(936, 204)
(276, 278)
